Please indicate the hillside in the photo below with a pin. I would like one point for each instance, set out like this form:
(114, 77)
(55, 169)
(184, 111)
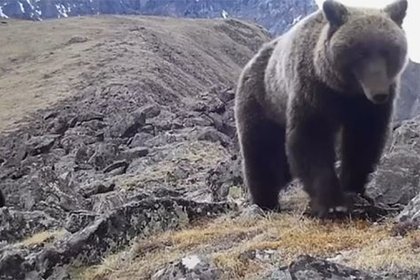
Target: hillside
(275, 15)
(118, 159)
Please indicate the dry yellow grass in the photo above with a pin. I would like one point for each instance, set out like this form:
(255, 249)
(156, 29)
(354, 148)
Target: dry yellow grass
(42, 237)
(229, 240)
(389, 254)
(202, 155)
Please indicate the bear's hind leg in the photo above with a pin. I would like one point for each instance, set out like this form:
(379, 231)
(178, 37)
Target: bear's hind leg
(265, 164)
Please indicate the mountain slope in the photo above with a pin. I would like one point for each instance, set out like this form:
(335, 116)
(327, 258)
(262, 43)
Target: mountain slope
(43, 62)
(274, 15)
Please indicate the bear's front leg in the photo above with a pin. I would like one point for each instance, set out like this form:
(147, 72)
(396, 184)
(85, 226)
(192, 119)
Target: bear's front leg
(311, 156)
(363, 140)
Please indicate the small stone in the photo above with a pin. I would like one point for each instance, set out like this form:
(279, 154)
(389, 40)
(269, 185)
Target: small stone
(116, 165)
(140, 139)
(50, 115)
(212, 135)
(150, 110)
(103, 156)
(96, 188)
(78, 220)
(134, 153)
(252, 212)
(41, 144)
(90, 117)
(189, 267)
(59, 126)
(227, 95)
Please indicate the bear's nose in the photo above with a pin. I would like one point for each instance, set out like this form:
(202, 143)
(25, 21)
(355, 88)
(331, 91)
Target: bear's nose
(380, 98)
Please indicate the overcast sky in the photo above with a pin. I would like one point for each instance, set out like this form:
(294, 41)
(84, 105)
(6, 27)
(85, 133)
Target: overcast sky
(410, 23)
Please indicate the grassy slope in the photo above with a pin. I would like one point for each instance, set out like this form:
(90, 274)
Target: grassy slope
(42, 63)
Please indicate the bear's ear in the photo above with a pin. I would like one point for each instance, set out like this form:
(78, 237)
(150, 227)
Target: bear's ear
(397, 11)
(335, 12)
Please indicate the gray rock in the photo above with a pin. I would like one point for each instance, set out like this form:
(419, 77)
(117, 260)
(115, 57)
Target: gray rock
(282, 274)
(128, 125)
(150, 110)
(90, 116)
(225, 175)
(226, 95)
(78, 220)
(77, 137)
(96, 187)
(109, 233)
(189, 268)
(139, 140)
(105, 202)
(408, 101)
(396, 186)
(411, 213)
(221, 124)
(16, 225)
(407, 136)
(11, 265)
(134, 153)
(41, 144)
(44, 189)
(103, 156)
(212, 135)
(397, 180)
(252, 212)
(120, 164)
(306, 267)
(59, 125)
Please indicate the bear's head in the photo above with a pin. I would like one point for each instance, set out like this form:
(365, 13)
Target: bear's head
(365, 48)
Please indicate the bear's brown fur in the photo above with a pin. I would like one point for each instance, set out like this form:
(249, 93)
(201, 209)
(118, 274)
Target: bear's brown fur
(338, 70)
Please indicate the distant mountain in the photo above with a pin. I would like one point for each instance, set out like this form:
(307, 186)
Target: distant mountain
(275, 15)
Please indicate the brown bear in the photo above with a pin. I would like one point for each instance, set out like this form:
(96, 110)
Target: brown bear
(334, 75)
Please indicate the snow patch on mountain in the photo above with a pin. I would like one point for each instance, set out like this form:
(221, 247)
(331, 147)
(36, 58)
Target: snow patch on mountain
(2, 15)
